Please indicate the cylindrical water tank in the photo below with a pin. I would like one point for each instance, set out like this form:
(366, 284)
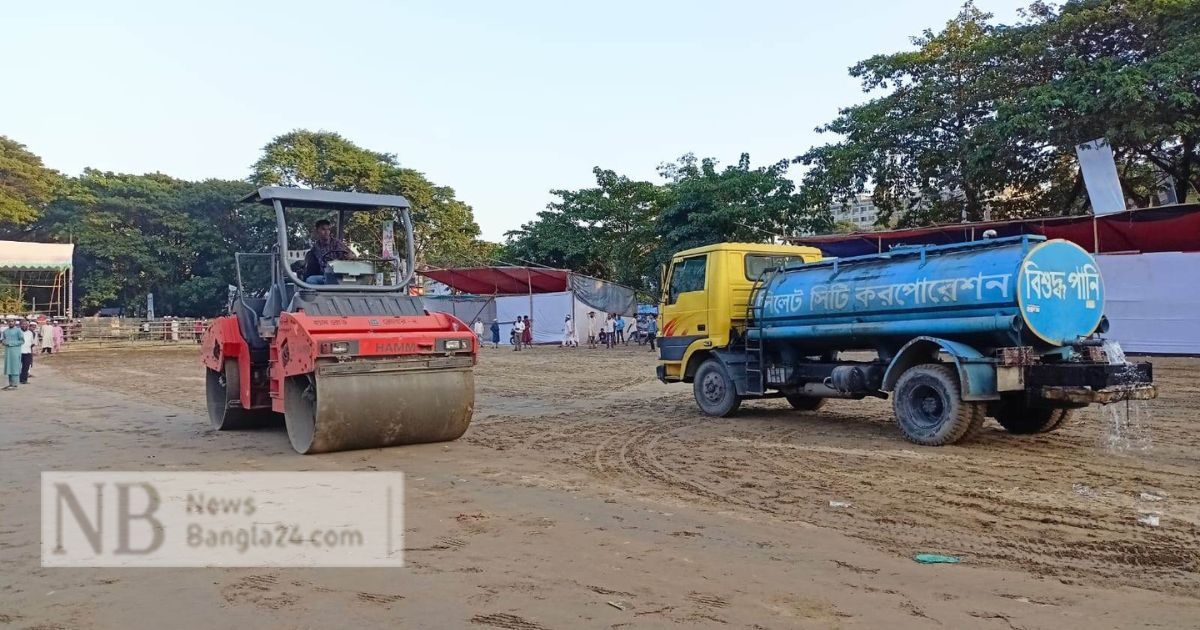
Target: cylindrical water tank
(990, 293)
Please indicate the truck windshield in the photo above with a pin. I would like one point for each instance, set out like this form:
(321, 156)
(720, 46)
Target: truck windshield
(756, 264)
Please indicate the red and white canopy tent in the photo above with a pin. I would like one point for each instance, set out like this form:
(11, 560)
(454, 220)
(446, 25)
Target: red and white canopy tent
(1149, 259)
(41, 274)
(503, 293)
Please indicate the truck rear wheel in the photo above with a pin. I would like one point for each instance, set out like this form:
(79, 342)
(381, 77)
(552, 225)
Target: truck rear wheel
(1018, 417)
(805, 403)
(929, 406)
(714, 390)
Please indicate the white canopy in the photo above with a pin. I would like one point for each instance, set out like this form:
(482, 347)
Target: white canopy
(35, 256)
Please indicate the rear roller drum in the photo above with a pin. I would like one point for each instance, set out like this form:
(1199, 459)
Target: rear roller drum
(223, 391)
(929, 406)
(373, 410)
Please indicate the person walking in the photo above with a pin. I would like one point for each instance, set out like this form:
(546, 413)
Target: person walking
(495, 333)
(12, 339)
(527, 334)
(28, 340)
(592, 329)
(652, 330)
(569, 338)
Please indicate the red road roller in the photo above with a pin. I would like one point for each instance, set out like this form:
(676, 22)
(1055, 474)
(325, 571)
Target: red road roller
(349, 357)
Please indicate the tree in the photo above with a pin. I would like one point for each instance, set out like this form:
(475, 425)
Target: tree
(738, 203)
(918, 145)
(607, 231)
(26, 186)
(445, 230)
(140, 234)
(1124, 70)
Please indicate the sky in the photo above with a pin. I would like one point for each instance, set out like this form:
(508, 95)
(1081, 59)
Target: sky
(503, 101)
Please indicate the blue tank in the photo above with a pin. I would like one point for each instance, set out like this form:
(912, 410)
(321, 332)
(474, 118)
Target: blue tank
(1019, 291)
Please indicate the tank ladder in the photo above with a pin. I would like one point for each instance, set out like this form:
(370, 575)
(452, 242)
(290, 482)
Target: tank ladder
(755, 368)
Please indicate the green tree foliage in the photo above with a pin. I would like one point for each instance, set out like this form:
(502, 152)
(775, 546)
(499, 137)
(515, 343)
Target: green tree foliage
(445, 229)
(26, 186)
(622, 229)
(606, 231)
(140, 234)
(708, 205)
(980, 116)
(1124, 70)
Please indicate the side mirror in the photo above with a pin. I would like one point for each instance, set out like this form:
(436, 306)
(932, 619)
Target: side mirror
(662, 283)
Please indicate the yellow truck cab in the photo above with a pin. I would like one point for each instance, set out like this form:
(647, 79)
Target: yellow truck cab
(706, 295)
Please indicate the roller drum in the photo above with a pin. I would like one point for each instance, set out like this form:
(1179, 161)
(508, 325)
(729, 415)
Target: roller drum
(340, 412)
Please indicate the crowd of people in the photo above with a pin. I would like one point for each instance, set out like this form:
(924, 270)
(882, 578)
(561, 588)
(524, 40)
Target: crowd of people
(22, 339)
(610, 332)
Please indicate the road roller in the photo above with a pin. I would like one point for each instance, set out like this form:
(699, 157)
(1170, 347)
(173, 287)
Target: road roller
(350, 357)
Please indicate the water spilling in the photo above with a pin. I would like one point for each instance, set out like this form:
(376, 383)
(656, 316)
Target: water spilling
(1126, 427)
(1114, 352)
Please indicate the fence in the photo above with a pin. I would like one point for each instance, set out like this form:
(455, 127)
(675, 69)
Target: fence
(128, 331)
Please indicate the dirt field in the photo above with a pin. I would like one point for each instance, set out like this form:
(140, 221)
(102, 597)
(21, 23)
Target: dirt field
(586, 494)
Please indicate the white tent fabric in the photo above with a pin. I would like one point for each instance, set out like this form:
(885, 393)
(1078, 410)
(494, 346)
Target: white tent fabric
(549, 312)
(28, 256)
(1153, 301)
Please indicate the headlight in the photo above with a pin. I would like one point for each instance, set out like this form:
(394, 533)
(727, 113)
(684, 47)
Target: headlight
(340, 347)
(455, 344)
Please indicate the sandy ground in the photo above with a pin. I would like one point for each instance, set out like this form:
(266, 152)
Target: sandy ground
(586, 494)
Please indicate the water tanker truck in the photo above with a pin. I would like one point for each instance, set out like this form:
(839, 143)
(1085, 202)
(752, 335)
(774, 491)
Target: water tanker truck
(1010, 328)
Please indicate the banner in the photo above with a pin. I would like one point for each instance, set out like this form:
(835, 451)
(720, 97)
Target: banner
(1100, 176)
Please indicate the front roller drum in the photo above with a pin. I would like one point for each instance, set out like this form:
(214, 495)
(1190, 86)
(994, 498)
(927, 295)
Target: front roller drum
(326, 413)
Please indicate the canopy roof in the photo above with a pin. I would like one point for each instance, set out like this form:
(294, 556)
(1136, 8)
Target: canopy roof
(20, 256)
(332, 199)
(1173, 228)
(502, 280)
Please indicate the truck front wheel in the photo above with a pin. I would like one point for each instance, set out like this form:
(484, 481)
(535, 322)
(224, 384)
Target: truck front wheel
(929, 406)
(714, 390)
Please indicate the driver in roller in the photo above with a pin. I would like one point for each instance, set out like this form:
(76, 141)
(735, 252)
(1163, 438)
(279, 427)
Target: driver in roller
(324, 249)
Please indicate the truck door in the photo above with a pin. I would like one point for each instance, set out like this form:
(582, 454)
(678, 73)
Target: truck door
(686, 313)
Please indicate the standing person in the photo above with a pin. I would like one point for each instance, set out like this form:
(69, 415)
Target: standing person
(495, 333)
(197, 330)
(59, 337)
(28, 339)
(527, 334)
(610, 331)
(620, 324)
(47, 337)
(12, 339)
(518, 334)
(652, 330)
(592, 329)
(478, 328)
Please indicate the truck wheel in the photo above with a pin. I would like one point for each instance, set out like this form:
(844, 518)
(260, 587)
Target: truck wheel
(714, 390)
(805, 403)
(1019, 418)
(929, 406)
